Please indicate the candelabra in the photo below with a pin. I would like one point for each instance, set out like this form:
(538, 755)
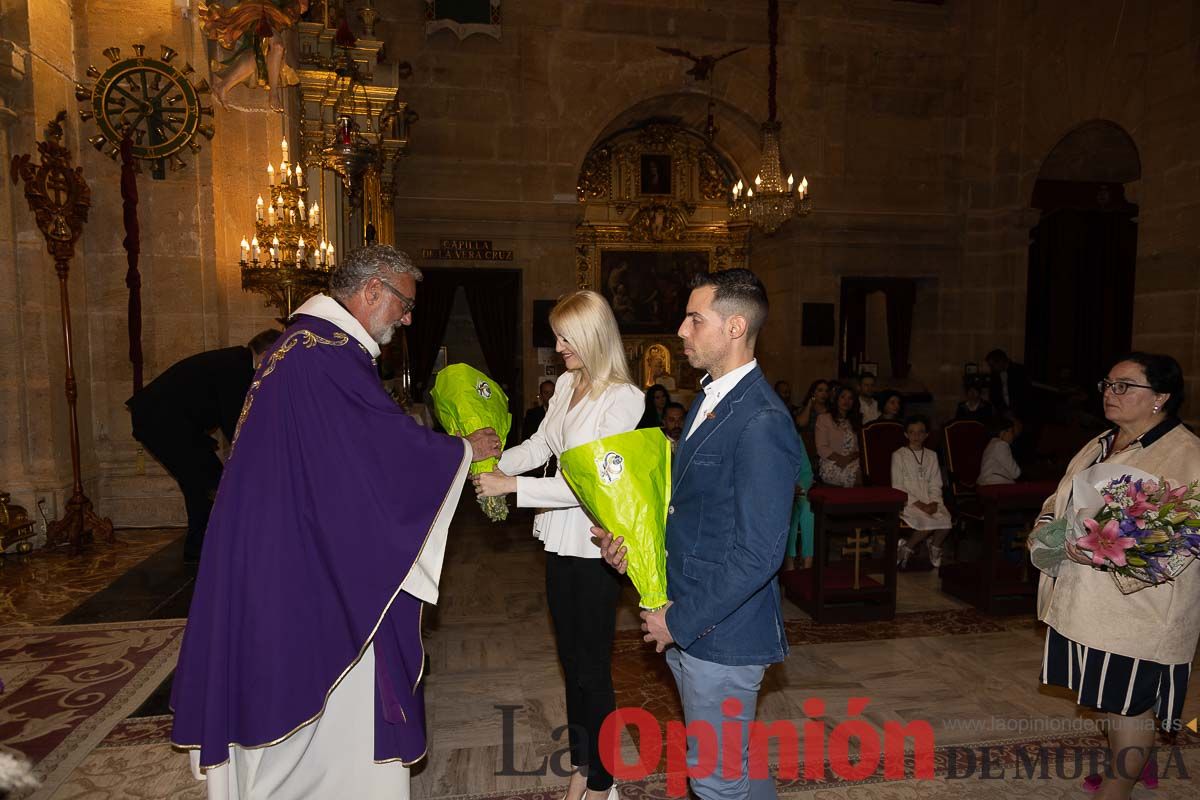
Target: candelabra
(288, 258)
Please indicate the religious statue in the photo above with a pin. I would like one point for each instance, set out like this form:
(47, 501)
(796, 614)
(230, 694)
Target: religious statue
(255, 33)
(656, 367)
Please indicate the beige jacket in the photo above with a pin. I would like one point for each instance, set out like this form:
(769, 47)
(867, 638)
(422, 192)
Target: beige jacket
(1160, 623)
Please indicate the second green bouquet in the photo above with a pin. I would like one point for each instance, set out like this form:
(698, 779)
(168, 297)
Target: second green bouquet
(624, 483)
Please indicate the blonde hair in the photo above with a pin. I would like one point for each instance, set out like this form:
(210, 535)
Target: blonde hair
(585, 320)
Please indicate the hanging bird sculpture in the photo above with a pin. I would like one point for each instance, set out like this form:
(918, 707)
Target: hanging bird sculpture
(702, 66)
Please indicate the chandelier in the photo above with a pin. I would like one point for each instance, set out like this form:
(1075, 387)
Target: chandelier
(288, 258)
(770, 202)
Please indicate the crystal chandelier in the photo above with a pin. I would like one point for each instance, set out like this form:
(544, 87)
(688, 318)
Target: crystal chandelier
(287, 259)
(770, 202)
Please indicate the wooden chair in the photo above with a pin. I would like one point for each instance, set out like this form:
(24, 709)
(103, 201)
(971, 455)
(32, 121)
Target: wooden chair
(1000, 579)
(844, 591)
(877, 442)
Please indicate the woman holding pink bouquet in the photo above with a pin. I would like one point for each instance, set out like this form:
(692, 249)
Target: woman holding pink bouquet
(594, 398)
(1122, 646)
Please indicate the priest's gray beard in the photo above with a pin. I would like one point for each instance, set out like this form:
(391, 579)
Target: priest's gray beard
(381, 331)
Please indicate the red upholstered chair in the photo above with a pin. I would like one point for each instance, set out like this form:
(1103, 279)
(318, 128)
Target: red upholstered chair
(1000, 580)
(845, 591)
(879, 440)
(966, 439)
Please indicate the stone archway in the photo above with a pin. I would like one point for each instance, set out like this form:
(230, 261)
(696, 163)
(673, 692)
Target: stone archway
(1082, 255)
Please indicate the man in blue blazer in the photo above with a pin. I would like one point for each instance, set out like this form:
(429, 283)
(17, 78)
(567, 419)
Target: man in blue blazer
(733, 476)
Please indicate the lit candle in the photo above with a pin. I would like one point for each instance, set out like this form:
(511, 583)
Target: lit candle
(289, 175)
(245, 250)
(254, 250)
(303, 212)
(324, 253)
(299, 177)
(749, 193)
(300, 251)
(279, 202)
(331, 261)
(804, 187)
(791, 180)
(258, 210)
(275, 252)
(757, 180)
(273, 255)
(270, 215)
(314, 215)
(285, 149)
(270, 173)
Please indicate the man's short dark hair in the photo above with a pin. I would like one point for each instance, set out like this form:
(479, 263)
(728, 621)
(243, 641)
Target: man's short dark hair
(263, 340)
(543, 383)
(737, 291)
(999, 423)
(673, 404)
(996, 355)
(918, 419)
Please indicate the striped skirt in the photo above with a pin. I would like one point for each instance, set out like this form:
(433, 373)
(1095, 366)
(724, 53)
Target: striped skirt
(1114, 683)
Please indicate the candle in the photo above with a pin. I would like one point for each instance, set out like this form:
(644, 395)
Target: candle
(285, 149)
(279, 202)
(303, 213)
(245, 250)
(258, 210)
(254, 250)
(300, 251)
(270, 215)
(791, 180)
(273, 255)
(270, 173)
(324, 248)
(804, 187)
(331, 261)
(757, 180)
(749, 193)
(299, 177)
(289, 174)
(275, 251)
(314, 215)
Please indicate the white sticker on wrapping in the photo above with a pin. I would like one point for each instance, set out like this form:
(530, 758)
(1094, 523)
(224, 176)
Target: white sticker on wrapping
(610, 466)
(484, 390)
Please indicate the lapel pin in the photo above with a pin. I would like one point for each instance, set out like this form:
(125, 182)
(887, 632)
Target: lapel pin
(710, 415)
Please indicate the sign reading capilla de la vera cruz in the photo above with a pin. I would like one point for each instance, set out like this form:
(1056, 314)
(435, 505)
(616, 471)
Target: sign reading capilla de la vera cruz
(466, 250)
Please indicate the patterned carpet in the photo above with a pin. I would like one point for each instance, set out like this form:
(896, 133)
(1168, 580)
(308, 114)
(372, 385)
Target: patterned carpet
(67, 686)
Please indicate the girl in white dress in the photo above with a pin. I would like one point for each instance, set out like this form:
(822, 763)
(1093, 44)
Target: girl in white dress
(593, 399)
(915, 471)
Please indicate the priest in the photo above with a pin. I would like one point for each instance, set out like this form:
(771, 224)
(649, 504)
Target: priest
(302, 659)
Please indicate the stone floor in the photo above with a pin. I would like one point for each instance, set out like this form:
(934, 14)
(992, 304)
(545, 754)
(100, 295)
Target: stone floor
(494, 690)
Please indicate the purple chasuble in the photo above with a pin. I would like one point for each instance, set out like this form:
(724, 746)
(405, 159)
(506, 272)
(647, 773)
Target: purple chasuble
(325, 504)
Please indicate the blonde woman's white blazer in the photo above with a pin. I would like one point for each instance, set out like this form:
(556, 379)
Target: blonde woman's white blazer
(563, 526)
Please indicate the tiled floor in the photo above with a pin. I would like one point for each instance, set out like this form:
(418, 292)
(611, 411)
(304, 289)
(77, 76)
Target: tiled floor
(494, 689)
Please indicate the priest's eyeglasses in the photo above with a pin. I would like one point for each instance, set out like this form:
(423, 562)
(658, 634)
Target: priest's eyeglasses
(406, 302)
(1118, 387)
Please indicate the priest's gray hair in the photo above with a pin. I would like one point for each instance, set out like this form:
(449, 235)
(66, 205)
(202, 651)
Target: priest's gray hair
(373, 260)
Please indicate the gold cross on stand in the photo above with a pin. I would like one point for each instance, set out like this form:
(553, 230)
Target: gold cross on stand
(855, 546)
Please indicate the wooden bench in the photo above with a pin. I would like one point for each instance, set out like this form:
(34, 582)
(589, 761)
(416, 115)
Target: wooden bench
(999, 579)
(844, 591)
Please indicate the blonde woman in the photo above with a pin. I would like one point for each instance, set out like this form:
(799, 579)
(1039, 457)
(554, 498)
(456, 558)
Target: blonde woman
(594, 398)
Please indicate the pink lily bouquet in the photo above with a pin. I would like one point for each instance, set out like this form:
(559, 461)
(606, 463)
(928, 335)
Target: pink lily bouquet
(1146, 532)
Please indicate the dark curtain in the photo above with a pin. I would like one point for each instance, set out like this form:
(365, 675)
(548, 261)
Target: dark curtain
(495, 302)
(901, 297)
(900, 294)
(1081, 275)
(435, 300)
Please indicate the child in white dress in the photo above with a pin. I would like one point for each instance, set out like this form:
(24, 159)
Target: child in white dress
(915, 472)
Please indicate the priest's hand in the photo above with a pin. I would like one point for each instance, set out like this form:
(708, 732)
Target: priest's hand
(611, 549)
(484, 444)
(654, 625)
(494, 484)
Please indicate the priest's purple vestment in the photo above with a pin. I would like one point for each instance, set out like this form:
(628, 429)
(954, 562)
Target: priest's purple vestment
(327, 502)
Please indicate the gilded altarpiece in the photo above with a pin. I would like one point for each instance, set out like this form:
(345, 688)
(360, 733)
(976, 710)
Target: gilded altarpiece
(656, 213)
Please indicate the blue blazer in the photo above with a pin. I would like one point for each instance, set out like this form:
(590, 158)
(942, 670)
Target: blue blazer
(727, 526)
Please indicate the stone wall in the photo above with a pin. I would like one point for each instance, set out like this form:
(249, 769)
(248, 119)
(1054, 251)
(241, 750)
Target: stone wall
(921, 127)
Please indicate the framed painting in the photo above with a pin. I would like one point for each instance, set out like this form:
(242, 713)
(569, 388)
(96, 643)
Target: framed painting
(656, 174)
(648, 289)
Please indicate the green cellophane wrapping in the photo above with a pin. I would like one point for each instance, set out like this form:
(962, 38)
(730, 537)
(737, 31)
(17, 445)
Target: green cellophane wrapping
(465, 400)
(624, 483)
